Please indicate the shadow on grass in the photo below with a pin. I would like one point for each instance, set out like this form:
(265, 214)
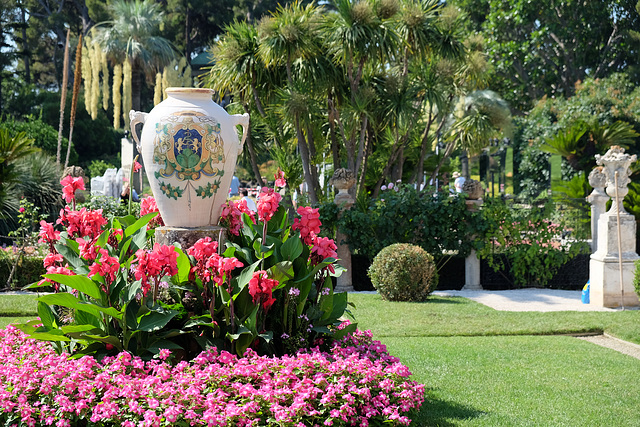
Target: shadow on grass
(445, 300)
(436, 412)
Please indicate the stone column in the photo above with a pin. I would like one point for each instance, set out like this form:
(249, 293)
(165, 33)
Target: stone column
(604, 267)
(342, 181)
(126, 155)
(598, 200)
(472, 281)
(188, 236)
(472, 272)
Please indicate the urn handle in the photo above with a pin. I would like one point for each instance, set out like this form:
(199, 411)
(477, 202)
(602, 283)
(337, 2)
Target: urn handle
(242, 120)
(137, 117)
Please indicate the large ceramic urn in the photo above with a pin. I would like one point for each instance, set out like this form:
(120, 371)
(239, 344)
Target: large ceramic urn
(189, 145)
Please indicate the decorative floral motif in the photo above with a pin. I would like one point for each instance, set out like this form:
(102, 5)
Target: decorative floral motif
(170, 191)
(210, 189)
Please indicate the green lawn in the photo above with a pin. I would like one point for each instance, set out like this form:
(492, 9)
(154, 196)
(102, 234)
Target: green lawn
(456, 316)
(17, 308)
(521, 381)
(483, 367)
(18, 305)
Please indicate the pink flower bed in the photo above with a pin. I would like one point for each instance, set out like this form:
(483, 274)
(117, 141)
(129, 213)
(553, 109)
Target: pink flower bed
(357, 383)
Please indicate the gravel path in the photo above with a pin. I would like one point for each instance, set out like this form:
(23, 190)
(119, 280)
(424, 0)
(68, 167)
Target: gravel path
(528, 299)
(614, 343)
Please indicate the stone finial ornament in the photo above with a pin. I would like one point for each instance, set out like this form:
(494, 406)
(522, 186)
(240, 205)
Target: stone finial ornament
(616, 160)
(343, 179)
(473, 189)
(74, 171)
(597, 178)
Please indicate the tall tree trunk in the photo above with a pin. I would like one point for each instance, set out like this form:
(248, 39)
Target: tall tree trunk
(335, 148)
(447, 152)
(63, 96)
(25, 47)
(304, 153)
(387, 168)
(136, 86)
(83, 10)
(252, 153)
(77, 77)
(312, 155)
(396, 172)
(187, 32)
(417, 177)
(464, 164)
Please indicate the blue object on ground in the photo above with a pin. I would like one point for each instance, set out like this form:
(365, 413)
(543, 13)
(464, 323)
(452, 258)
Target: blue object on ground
(585, 293)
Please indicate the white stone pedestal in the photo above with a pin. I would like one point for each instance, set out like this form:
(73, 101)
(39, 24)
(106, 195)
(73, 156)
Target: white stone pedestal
(343, 180)
(604, 275)
(472, 272)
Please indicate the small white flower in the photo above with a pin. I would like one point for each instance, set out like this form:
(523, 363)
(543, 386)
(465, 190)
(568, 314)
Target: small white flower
(383, 188)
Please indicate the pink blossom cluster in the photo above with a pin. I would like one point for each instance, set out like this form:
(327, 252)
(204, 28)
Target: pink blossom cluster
(149, 205)
(221, 267)
(208, 264)
(363, 344)
(215, 389)
(106, 266)
(202, 250)
(155, 264)
(323, 247)
(308, 223)
(268, 203)
(280, 179)
(261, 289)
(82, 223)
(231, 215)
(69, 186)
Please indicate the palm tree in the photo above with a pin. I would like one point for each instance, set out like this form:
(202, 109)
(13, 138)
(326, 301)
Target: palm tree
(239, 71)
(478, 117)
(582, 141)
(359, 35)
(12, 149)
(431, 33)
(133, 35)
(291, 35)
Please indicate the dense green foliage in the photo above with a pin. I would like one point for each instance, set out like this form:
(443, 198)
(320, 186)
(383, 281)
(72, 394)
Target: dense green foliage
(403, 272)
(544, 48)
(44, 135)
(602, 112)
(28, 269)
(435, 223)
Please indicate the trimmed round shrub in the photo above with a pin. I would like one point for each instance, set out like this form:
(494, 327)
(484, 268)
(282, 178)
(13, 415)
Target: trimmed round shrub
(404, 272)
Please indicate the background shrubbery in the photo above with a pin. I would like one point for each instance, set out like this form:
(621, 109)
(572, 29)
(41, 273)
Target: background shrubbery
(530, 243)
(404, 272)
(437, 223)
(28, 270)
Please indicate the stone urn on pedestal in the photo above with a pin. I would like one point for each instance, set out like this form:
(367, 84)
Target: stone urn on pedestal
(343, 180)
(610, 288)
(474, 191)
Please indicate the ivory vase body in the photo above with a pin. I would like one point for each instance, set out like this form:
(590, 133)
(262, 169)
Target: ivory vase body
(189, 145)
